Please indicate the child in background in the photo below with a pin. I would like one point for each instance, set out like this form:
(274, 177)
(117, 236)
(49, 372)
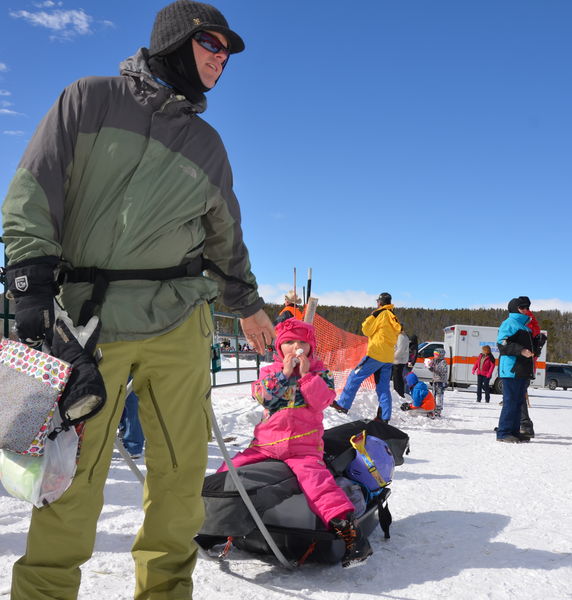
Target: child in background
(422, 399)
(484, 367)
(294, 390)
(438, 366)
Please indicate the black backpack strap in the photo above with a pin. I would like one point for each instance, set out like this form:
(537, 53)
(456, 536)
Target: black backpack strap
(101, 278)
(383, 513)
(209, 265)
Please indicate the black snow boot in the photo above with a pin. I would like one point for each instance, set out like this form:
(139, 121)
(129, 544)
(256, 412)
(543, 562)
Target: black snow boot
(357, 545)
(378, 417)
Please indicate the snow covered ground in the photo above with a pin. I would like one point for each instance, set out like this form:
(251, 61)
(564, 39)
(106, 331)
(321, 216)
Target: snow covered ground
(473, 519)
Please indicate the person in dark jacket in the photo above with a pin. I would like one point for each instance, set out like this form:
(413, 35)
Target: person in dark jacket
(124, 199)
(538, 341)
(413, 353)
(515, 369)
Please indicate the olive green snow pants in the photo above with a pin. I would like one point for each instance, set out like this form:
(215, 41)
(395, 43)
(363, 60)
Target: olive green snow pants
(171, 376)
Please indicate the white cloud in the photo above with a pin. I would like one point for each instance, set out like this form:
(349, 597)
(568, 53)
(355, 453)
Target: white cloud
(65, 23)
(274, 293)
(5, 93)
(12, 113)
(3, 67)
(357, 298)
(48, 4)
(14, 132)
(536, 305)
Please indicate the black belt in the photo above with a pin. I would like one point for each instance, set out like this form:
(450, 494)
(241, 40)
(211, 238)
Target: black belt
(101, 278)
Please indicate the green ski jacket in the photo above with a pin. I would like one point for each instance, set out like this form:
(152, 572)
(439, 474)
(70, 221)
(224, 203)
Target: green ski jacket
(123, 174)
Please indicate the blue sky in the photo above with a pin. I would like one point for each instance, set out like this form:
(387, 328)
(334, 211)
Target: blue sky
(420, 147)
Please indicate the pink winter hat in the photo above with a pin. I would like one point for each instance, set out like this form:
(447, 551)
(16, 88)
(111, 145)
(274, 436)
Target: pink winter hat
(294, 329)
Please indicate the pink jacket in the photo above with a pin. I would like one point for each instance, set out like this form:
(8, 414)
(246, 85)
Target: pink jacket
(487, 367)
(293, 409)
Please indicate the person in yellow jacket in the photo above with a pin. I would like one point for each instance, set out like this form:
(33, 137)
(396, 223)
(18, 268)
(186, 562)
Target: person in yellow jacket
(382, 329)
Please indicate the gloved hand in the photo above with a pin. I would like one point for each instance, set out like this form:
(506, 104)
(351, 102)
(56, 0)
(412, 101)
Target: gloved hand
(538, 343)
(31, 283)
(84, 394)
(405, 406)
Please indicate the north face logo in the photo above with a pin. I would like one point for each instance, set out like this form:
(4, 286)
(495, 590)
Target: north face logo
(21, 283)
(189, 170)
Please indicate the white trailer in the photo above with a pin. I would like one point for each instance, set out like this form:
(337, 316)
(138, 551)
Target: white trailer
(463, 343)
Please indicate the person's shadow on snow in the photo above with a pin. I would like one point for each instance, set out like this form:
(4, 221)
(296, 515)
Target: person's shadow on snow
(441, 544)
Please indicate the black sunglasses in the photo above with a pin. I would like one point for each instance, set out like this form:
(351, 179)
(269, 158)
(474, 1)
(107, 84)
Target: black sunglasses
(211, 43)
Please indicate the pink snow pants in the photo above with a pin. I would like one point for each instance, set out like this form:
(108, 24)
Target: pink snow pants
(325, 498)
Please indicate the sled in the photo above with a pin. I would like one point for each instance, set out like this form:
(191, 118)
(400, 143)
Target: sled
(288, 524)
(420, 412)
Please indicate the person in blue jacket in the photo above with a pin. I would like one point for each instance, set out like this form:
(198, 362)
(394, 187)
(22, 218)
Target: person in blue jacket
(422, 399)
(515, 369)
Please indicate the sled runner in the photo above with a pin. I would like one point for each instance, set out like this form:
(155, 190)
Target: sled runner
(273, 490)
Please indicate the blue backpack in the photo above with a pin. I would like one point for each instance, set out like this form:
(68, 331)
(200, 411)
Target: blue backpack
(373, 464)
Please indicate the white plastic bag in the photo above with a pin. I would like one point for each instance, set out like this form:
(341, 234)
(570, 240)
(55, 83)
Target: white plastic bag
(41, 479)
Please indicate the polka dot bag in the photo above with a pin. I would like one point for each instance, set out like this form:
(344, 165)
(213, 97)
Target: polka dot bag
(31, 384)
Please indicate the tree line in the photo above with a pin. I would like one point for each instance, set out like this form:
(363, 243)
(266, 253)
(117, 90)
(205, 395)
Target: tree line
(428, 323)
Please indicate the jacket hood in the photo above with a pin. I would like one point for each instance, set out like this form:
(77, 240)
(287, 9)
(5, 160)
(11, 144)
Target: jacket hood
(522, 319)
(136, 66)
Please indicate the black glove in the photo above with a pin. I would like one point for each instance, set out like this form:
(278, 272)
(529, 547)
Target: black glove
(405, 406)
(31, 283)
(84, 394)
(538, 342)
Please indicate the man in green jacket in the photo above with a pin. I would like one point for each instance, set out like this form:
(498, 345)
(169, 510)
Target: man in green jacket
(121, 202)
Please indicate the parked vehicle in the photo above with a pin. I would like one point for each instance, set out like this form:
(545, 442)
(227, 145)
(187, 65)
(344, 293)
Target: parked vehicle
(463, 343)
(425, 350)
(558, 375)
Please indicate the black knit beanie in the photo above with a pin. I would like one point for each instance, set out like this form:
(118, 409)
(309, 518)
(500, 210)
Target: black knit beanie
(178, 21)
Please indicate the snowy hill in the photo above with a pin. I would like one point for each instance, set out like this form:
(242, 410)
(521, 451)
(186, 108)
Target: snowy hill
(473, 519)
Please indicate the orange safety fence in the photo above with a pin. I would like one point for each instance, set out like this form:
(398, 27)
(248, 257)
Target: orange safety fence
(340, 351)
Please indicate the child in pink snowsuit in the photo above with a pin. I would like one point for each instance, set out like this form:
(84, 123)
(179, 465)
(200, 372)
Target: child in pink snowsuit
(294, 390)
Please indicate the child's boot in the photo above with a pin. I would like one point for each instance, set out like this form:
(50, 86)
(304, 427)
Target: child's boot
(357, 545)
